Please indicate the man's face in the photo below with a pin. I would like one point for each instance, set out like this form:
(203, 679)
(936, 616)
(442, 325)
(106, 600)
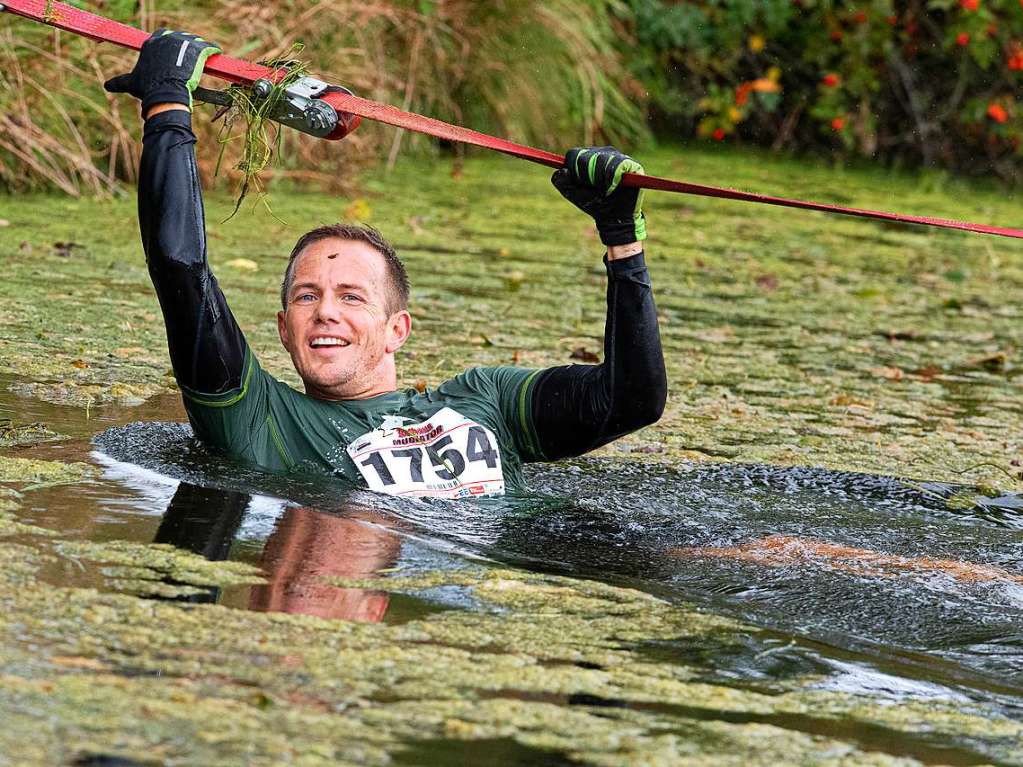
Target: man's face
(337, 326)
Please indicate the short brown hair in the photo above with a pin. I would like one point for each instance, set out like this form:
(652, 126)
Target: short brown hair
(398, 290)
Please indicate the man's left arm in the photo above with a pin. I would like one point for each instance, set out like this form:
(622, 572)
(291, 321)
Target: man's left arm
(577, 408)
(573, 409)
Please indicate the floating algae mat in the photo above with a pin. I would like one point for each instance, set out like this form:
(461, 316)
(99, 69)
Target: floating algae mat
(790, 338)
(162, 606)
(701, 614)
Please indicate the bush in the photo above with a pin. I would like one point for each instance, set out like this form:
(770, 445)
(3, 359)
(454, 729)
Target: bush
(924, 82)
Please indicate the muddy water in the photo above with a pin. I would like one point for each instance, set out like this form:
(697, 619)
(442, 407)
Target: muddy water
(863, 563)
(881, 589)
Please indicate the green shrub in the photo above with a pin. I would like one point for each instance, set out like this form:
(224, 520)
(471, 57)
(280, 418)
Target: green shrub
(924, 82)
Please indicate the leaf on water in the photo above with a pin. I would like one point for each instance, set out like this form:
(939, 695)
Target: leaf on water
(928, 372)
(892, 374)
(898, 335)
(584, 355)
(78, 661)
(243, 264)
(66, 249)
(993, 363)
(129, 352)
(848, 400)
(513, 280)
(358, 210)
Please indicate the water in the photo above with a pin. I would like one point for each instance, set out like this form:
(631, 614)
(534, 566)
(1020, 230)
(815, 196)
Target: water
(872, 586)
(860, 563)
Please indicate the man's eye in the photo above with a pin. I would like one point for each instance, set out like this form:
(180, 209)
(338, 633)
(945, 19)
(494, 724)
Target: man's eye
(304, 298)
(351, 297)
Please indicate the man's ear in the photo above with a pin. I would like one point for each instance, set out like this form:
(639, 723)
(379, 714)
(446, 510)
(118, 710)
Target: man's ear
(282, 330)
(399, 328)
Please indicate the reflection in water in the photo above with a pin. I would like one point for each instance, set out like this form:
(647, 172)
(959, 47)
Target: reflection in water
(308, 546)
(786, 550)
(304, 548)
(204, 521)
(930, 590)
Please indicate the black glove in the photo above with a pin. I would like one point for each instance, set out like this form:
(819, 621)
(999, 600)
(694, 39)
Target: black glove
(590, 180)
(167, 71)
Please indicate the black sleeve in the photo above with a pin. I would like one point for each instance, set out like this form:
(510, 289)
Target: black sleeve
(207, 349)
(578, 408)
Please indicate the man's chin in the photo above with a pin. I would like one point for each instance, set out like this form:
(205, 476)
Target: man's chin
(328, 384)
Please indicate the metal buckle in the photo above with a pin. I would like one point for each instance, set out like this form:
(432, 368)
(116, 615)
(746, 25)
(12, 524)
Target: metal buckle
(298, 106)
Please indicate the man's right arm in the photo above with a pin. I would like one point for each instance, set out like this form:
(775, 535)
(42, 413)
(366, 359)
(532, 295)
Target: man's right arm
(207, 348)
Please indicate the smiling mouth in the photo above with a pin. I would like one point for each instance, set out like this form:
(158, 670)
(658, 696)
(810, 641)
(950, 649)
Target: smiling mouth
(318, 343)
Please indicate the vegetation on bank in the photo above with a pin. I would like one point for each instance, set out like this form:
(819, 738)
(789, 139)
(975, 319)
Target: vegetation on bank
(540, 71)
(926, 82)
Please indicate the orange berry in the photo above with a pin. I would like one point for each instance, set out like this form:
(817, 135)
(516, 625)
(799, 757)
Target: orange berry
(997, 113)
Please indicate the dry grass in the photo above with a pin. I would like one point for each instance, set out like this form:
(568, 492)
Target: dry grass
(537, 71)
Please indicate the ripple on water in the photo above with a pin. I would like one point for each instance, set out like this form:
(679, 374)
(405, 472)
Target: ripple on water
(857, 560)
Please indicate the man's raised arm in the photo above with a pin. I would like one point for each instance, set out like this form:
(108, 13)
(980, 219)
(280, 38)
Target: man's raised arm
(578, 408)
(207, 348)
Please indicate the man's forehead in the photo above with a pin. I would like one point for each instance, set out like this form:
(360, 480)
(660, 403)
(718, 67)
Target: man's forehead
(341, 255)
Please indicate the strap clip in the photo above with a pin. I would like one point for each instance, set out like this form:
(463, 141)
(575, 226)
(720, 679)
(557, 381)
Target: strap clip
(298, 106)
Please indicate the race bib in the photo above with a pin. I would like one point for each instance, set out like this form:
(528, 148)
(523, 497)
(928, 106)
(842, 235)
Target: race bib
(446, 456)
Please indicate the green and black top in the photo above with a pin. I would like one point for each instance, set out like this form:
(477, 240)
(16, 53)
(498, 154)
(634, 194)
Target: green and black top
(469, 436)
(478, 423)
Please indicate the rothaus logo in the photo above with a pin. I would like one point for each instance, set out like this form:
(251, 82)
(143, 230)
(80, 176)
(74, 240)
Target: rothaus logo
(417, 435)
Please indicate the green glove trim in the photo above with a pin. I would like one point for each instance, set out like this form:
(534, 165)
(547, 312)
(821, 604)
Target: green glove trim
(200, 65)
(626, 166)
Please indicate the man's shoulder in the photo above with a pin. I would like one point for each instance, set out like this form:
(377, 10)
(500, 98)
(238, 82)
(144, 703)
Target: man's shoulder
(257, 387)
(488, 379)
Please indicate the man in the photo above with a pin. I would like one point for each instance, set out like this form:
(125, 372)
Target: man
(345, 315)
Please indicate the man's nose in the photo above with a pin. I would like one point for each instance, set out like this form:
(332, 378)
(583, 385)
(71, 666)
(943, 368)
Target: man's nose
(328, 309)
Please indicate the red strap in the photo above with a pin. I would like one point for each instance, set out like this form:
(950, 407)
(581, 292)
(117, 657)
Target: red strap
(394, 116)
(63, 16)
(234, 70)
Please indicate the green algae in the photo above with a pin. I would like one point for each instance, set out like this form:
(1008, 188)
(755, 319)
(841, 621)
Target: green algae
(142, 679)
(20, 435)
(11, 526)
(791, 338)
(33, 473)
(85, 394)
(141, 568)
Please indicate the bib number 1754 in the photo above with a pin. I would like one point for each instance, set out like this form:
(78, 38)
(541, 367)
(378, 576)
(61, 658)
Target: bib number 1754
(446, 456)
